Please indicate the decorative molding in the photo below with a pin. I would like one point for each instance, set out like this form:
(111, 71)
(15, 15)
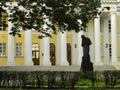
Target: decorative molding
(118, 13)
(110, 1)
(3, 32)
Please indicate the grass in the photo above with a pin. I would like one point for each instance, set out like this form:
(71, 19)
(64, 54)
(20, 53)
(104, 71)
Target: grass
(82, 84)
(82, 88)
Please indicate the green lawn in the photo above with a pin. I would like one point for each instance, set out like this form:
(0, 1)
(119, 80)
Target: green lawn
(82, 88)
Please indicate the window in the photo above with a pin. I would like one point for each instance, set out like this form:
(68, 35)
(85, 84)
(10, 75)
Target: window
(52, 54)
(35, 46)
(52, 50)
(35, 50)
(109, 26)
(110, 51)
(2, 49)
(18, 49)
(2, 23)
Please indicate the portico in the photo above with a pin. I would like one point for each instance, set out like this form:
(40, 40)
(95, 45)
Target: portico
(103, 32)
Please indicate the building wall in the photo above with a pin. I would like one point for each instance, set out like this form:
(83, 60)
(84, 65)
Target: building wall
(19, 61)
(118, 35)
(3, 39)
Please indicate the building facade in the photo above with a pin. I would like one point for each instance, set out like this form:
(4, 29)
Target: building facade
(65, 48)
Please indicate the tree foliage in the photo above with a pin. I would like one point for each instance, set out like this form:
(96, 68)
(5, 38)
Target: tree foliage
(58, 15)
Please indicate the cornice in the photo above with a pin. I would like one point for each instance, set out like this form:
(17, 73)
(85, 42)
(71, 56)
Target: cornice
(110, 1)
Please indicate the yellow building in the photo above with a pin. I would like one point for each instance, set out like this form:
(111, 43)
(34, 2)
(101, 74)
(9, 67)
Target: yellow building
(65, 48)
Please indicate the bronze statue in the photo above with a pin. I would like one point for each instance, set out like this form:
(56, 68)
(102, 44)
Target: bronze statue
(86, 63)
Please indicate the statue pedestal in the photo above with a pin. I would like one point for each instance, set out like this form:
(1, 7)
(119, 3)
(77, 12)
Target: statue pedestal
(86, 65)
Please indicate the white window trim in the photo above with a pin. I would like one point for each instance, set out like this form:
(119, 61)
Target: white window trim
(2, 28)
(3, 49)
(19, 50)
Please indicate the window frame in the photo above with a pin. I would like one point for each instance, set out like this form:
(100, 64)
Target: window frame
(109, 26)
(35, 50)
(2, 49)
(19, 49)
(2, 22)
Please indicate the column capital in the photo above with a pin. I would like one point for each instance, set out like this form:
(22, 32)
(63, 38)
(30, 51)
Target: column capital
(97, 16)
(113, 13)
(97, 20)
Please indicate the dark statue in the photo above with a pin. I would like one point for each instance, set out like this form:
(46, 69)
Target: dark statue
(86, 64)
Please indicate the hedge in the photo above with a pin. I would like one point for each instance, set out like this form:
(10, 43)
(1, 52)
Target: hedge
(59, 79)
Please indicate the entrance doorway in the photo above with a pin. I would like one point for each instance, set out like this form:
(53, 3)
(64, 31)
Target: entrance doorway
(35, 54)
(69, 53)
(52, 54)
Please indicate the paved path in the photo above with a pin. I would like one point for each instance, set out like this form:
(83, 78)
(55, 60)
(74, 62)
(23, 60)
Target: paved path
(53, 68)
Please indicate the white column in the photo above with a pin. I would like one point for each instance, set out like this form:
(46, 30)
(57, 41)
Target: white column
(11, 61)
(114, 58)
(97, 41)
(77, 48)
(58, 56)
(61, 49)
(45, 44)
(106, 41)
(91, 36)
(45, 52)
(28, 48)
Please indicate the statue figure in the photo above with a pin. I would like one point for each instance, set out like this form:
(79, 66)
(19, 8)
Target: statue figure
(86, 63)
(85, 44)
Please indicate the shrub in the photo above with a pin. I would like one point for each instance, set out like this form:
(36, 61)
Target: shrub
(58, 79)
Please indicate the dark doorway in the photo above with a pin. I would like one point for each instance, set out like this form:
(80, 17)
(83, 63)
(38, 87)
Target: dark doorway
(69, 53)
(52, 54)
(35, 54)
